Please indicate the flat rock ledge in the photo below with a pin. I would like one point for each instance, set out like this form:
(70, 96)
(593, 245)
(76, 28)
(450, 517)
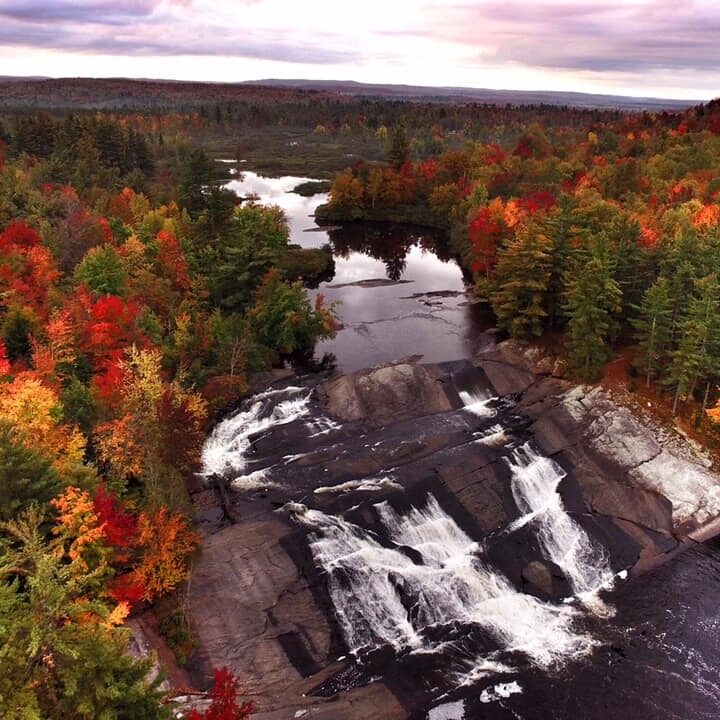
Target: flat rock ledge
(384, 394)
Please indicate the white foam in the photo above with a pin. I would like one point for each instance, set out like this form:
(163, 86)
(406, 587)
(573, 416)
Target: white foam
(321, 426)
(493, 436)
(362, 485)
(535, 481)
(373, 586)
(500, 691)
(448, 711)
(477, 402)
(224, 450)
(254, 480)
(483, 668)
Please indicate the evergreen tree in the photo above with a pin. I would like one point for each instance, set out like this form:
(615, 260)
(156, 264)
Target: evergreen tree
(17, 330)
(592, 296)
(112, 146)
(5, 136)
(681, 269)
(523, 273)
(61, 653)
(560, 227)
(653, 327)
(696, 355)
(196, 175)
(25, 476)
(252, 244)
(399, 151)
(102, 271)
(87, 164)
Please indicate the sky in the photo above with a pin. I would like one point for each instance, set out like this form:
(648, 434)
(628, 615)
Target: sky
(658, 48)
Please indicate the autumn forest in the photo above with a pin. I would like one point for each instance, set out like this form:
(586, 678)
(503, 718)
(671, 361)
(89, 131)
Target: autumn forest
(139, 299)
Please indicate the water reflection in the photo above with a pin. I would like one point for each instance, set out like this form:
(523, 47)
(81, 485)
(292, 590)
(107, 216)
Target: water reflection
(389, 244)
(398, 291)
(300, 211)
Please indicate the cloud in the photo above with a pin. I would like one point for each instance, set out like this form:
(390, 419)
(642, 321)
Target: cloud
(153, 39)
(149, 28)
(632, 37)
(96, 11)
(511, 43)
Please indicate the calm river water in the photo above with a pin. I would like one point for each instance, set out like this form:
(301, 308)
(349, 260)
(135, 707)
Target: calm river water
(398, 292)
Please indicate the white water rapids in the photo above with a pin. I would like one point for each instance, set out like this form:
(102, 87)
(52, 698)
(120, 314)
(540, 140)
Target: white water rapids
(224, 451)
(385, 595)
(535, 481)
(477, 402)
(428, 573)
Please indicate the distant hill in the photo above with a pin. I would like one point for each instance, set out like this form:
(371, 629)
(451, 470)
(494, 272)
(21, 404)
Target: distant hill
(24, 78)
(123, 94)
(24, 93)
(482, 95)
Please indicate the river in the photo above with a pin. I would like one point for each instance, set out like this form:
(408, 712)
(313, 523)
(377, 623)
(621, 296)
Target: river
(418, 599)
(397, 290)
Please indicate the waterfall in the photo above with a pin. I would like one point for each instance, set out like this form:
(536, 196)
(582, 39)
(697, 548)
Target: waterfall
(494, 436)
(477, 402)
(535, 481)
(224, 451)
(433, 574)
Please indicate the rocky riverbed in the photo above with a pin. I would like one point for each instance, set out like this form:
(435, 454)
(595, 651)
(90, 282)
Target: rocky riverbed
(426, 540)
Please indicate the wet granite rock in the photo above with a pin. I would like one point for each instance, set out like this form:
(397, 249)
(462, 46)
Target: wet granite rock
(545, 580)
(382, 395)
(252, 610)
(507, 368)
(484, 493)
(633, 504)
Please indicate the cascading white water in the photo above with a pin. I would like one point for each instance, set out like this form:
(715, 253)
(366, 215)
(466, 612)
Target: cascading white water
(494, 436)
(367, 484)
(381, 595)
(535, 481)
(477, 402)
(321, 426)
(224, 451)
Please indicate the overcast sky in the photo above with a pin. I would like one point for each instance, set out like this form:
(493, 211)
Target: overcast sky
(665, 48)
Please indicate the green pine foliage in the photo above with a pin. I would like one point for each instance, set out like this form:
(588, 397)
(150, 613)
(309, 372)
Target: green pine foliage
(57, 662)
(592, 299)
(25, 476)
(524, 270)
(653, 328)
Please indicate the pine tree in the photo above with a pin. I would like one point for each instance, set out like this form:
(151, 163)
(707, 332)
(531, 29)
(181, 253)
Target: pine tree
(196, 175)
(560, 227)
(399, 151)
(61, 651)
(523, 273)
(654, 327)
(591, 298)
(17, 331)
(25, 476)
(696, 355)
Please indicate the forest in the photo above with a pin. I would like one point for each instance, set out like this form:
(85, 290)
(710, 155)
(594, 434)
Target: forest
(138, 297)
(130, 318)
(609, 236)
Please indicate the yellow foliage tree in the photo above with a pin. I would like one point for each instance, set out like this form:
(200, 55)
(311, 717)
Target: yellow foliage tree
(167, 541)
(36, 412)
